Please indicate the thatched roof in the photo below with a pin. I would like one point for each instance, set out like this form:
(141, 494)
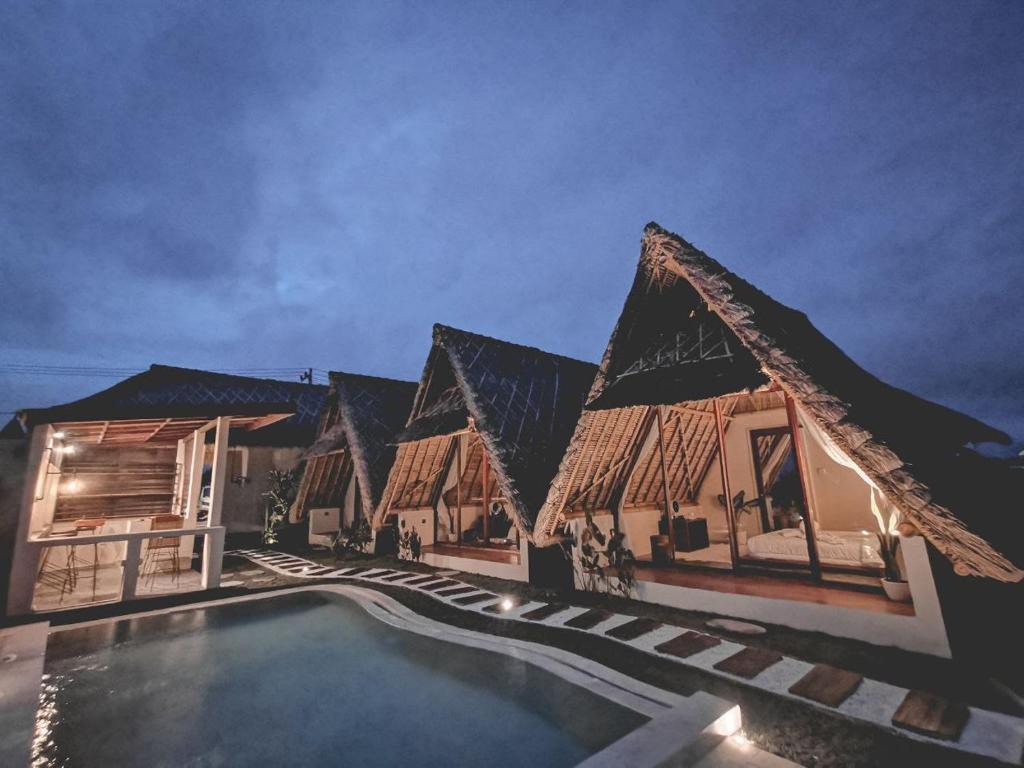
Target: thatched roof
(523, 403)
(165, 391)
(691, 329)
(362, 415)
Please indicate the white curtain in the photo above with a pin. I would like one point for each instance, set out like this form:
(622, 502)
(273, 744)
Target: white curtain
(886, 515)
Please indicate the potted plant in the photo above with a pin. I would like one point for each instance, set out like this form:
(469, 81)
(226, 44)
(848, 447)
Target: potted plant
(896, 587)
(740, 508)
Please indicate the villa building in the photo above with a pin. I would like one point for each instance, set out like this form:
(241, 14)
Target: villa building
(488, 427)
(347, 467)
(751, 464)
(171, 450)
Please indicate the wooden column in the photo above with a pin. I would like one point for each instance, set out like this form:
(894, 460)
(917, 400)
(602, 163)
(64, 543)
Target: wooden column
(723, 463)
(664, 479)
(458, 488)
(485, 472)
(802, 470)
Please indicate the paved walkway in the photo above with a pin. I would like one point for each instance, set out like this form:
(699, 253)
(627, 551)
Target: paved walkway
(914, 714)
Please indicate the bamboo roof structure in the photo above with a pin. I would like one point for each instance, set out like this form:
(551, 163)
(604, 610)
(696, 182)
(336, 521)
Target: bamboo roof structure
(361, 415)
(165, 403)
(691, 330)
(521, 401)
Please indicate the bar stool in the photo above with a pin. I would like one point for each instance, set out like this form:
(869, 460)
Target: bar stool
(88, 525)
(62, 578)
(165, 546)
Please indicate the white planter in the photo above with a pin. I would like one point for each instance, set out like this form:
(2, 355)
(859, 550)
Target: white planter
(897, 591)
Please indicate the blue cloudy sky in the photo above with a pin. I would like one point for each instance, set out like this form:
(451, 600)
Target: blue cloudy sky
(256, 184)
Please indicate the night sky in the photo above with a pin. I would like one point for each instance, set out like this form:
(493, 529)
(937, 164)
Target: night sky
(234, 185)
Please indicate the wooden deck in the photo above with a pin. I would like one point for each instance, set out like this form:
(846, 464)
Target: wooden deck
(493, 554)
(777, 587)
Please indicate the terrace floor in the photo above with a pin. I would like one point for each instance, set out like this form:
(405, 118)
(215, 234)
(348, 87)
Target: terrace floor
(493, 554)
(52, 595)
(776, 587)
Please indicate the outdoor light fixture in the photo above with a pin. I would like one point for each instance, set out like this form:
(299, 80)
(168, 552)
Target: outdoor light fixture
(506, 604)
(74, 485)
(58, 435)
(67, 450)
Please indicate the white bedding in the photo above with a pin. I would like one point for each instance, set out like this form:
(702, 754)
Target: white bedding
(834, 547)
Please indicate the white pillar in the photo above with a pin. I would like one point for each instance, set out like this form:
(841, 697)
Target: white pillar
(213, 556)
(195, 475)
(180, 458)
(220, 469)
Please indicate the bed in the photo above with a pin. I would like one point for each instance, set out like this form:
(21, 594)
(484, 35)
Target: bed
(834, 547)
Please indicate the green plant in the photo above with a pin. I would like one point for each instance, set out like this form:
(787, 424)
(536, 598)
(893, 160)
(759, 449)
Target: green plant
(600, 556)
(279, 498)
(739, 506)
(352, 539)
(409, 544)
(888, 549)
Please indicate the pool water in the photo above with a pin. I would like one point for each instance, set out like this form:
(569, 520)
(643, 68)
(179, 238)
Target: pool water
(307, 678)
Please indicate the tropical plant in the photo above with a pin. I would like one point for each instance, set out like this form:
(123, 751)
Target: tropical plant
(888, 549)
(739, 506)
(352, 539)
(409, 544)
(279, 498)
(600, 556)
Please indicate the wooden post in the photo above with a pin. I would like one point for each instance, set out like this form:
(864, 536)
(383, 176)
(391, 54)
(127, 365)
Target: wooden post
(664, 481)
(730, 519)
(458, 488)
(486, 493)
(801, 469)
(218, 479)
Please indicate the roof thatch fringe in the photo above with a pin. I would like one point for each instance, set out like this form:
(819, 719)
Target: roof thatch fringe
(969, 553)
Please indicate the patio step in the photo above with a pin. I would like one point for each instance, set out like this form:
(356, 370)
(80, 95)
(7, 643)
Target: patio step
(749, 663)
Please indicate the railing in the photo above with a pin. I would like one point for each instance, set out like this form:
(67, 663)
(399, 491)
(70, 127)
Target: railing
(25, 575)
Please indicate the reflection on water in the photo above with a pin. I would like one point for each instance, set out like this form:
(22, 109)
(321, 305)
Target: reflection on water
(303, 679)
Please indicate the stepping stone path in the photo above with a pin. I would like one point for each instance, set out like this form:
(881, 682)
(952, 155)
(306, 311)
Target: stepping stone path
(633, 629)
(470, 599)
(931, 715)
(589, 620)
(750, 662)
(440, 585)
(456, 591)
(505, 605)
(687, 644)
(545, 611)
(827, 685)
(923, 714)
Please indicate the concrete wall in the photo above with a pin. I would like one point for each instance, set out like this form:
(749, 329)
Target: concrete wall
(244, 505)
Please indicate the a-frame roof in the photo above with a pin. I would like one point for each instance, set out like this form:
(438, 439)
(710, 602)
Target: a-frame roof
(524, 403)
(164, 391)
(691, 328)
(363, 414)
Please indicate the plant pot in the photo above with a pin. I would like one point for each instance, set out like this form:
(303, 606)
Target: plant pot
(897, 591)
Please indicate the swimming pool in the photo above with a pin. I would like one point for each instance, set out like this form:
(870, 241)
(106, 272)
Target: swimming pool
(306, 678)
